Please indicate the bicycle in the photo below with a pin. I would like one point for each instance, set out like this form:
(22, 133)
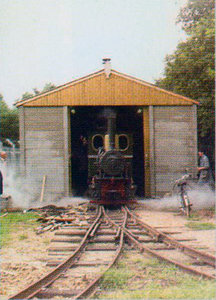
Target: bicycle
(181, 184)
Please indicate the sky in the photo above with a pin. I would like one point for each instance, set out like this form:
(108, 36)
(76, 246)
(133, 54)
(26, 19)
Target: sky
(57, 41)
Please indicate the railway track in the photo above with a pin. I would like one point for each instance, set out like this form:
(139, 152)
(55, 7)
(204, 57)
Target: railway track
(85, 253)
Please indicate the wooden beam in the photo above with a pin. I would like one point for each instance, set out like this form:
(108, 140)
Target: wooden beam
(152, 150)
(43, 188)
(66, 130)
(146, 139)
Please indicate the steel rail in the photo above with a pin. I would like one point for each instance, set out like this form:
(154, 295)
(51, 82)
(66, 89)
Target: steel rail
(160, 236)
(37, 287)
(184, 267)
(33, 289)
(91, 287)
(143, 248)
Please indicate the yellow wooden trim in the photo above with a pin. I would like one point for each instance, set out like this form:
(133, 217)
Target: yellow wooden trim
(96, 89)
(60, 88)
(146, 134)
(152, 86)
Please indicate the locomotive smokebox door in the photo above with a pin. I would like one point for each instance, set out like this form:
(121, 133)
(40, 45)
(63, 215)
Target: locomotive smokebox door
(112, 163)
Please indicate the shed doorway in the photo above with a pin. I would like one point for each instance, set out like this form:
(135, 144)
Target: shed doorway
(130, 119)
(88, 119)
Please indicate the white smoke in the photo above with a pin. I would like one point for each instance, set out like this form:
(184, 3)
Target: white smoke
(65, 201)
(17, 187)
(22, 190)
(198, 196)
(202, 198)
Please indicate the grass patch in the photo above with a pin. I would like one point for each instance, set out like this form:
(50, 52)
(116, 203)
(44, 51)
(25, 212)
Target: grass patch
(115, 278)
(147, 278)
(23, 237)
(202, 290)
(14, 222)
(200, 225)
(46, 241)
(194, 217)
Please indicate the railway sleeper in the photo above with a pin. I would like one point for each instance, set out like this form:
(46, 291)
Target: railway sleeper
(78, 264)
(96, 240)
(71, 249)
(199, 263)
(162, 248)
(102, 240)
(50, 293)
(101, 248)
(73, 226)
(71, 232)
(65, 239)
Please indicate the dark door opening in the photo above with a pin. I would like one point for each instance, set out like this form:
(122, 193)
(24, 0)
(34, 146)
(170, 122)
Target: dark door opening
(84, 120)
(89, 119)
(130, 119)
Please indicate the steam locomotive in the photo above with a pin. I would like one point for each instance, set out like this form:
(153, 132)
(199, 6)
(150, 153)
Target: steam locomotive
(110, 166)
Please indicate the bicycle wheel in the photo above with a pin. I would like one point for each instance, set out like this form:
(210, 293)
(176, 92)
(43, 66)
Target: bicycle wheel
(187, 206)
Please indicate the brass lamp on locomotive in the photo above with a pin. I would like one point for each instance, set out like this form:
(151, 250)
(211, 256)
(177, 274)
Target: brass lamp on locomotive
(110, 166)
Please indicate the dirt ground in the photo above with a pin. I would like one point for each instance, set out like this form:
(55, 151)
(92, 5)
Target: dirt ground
(175, 222)
(24, 259)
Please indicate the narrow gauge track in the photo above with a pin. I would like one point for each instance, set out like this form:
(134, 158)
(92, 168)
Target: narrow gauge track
(164, 247)
(104, 238)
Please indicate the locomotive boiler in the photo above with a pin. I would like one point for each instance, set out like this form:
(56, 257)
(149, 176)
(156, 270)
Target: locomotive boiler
(110, 165)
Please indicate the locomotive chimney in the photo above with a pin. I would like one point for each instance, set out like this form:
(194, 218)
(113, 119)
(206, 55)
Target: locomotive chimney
(107, 66)
(111, 129)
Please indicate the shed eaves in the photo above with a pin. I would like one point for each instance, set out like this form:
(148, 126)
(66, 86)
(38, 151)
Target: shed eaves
(96, 89)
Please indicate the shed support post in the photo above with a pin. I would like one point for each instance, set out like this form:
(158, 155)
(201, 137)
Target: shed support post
(152, 151)
(194, 115)
(22, 141)
(66, 129)
(146, 134)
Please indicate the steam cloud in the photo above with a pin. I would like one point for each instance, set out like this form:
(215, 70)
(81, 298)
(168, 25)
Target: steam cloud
(21, 190)
(198, 196)
(108, 112)
(17, 188)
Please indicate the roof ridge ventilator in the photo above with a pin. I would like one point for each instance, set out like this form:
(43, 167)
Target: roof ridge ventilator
(107, 66)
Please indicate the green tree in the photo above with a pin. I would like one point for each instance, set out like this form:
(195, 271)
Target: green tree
(47, 87)
(27, 96)
(193, 12)
(36, 92)
(189, 71)
(9, 122)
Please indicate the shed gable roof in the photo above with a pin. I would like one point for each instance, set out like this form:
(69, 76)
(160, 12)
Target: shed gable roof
(96, 89)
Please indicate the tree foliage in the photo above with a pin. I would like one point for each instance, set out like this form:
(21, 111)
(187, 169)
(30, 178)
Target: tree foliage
(47, 87)
(196, 10)
(27, 96)
(190, 70)
(9, 122)
(9, 117)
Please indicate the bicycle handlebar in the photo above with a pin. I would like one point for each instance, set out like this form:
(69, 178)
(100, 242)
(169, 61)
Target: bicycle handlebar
(182, 180)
